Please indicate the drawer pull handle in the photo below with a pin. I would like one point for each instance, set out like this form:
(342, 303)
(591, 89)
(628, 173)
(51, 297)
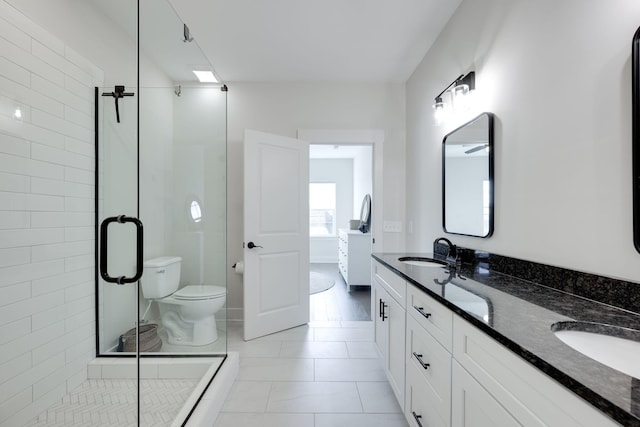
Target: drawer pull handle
(381, 310)
(421, 311)
(419, 359)
(417, 418)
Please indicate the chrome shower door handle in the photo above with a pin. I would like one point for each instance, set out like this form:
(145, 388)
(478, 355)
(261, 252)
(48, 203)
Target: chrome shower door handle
(121, 219)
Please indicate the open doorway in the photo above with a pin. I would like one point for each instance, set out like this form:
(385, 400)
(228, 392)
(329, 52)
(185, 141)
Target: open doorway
(340, 175)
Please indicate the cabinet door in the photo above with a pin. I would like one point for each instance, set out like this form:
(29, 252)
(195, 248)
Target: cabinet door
(390, 338)
(396, 349)
(473, 406)
(381, 325)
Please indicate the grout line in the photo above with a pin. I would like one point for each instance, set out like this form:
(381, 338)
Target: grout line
(266, 405)
(314, 370)
(359, 396)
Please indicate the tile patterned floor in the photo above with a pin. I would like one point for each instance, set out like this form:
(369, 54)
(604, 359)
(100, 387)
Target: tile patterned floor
(336, 304)
(325, 374)
(113, 402)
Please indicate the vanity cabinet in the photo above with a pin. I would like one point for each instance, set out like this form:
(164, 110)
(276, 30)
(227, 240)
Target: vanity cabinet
(354, 257)
(455, 375)
(488, 374)
(388, 300)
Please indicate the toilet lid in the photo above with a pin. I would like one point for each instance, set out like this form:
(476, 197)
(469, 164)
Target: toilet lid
(200, 292)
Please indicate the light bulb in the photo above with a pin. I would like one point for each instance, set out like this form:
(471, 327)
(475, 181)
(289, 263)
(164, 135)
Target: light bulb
(459, 92)
(17, 114)
(438, 111)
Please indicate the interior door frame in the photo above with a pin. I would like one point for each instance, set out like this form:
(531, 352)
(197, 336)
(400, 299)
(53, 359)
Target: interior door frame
(374, 137)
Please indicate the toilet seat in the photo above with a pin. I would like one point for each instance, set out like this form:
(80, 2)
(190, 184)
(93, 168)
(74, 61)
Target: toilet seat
(197, 292)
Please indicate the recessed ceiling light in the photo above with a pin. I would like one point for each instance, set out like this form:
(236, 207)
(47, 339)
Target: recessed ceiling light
(205, 76)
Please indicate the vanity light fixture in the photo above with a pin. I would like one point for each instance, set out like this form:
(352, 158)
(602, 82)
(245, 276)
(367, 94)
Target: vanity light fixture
(459, 90)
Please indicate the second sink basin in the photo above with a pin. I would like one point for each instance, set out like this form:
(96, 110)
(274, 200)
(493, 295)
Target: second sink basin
(614, 346)
(421, 261)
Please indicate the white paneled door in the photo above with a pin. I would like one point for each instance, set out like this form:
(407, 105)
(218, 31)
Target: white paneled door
(276, 233)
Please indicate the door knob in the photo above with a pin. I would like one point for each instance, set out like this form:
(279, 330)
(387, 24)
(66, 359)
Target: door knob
(252, 245)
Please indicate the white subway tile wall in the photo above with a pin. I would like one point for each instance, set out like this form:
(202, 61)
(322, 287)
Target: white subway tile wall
(47, 319)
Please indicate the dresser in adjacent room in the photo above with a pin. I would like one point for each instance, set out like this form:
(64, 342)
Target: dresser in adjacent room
(354, 257)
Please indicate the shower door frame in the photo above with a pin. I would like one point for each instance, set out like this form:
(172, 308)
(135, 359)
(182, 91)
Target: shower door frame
(100, 230)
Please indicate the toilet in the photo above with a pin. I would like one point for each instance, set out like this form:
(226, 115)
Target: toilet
(188, 313)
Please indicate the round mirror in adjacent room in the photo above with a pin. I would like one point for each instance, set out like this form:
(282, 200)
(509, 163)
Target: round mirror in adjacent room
(365, 214)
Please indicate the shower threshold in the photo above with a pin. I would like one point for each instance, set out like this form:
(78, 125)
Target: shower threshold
(170, 389)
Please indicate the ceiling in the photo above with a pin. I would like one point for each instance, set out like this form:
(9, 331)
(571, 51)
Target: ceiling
(315, 40)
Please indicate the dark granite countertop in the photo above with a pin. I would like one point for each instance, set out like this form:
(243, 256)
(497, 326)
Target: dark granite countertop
(519, 314)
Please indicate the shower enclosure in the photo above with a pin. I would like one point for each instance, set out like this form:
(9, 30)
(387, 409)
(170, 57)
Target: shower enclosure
(160, 192)
(115, 174)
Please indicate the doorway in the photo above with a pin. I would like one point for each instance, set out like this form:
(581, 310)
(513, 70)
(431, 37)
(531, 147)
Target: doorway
(340, 175)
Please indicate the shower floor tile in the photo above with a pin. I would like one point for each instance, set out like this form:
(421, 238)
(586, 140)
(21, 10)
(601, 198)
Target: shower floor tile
(110, 402)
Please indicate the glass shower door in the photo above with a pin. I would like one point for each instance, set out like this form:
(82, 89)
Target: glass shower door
(119, 247)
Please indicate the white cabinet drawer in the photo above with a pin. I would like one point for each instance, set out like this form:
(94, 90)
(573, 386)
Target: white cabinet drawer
(419, 406)
(432, 362)
(431, 315)
(395, 285)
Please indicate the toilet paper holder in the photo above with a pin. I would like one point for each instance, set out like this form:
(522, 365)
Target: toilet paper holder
(238, 267)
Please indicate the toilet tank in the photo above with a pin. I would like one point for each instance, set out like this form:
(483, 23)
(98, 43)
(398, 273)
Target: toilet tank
(160, 276)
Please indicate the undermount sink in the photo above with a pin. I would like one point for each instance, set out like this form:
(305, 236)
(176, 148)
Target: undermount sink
(613, 346)
(421, 262)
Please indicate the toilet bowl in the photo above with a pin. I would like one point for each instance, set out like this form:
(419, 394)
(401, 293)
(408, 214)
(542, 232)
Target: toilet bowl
(187, 314)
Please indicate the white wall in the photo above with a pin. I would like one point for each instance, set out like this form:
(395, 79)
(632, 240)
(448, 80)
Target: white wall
(47, 318)
(321, 248)
(87, 31)
(557, 76)
(284, 108)
(362, 178)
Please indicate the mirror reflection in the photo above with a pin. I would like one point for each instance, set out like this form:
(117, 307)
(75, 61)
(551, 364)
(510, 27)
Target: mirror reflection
(473, 304)
(467, 178)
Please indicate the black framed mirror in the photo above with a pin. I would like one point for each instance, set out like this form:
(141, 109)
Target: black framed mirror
(635, 132)
(468, 178)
